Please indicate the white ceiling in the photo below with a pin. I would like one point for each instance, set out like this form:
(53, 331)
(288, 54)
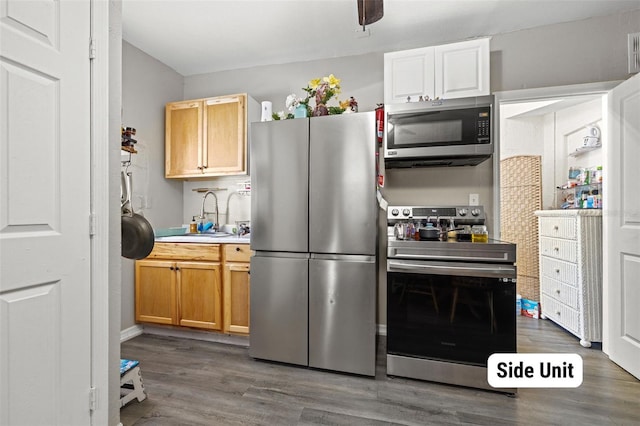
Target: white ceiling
(202, 36)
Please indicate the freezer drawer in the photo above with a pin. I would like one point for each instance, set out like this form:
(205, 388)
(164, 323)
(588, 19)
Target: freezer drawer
(279, 308)
(342, 310)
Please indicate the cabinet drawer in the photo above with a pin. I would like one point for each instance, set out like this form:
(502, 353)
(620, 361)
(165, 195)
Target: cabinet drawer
(561, 314)
(559, 227)
(186, 251)
(558, 248)
(563, 293)
(236, 252)
(558, 270)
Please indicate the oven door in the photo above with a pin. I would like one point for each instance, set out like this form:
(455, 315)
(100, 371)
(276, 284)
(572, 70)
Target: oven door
(450, 311)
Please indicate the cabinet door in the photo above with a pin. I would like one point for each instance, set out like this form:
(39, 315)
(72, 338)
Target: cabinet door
(236, 298)
(462, 69)
(199, 295)
(183, 139)
(408, 73)
(156, 292)
(225, 141)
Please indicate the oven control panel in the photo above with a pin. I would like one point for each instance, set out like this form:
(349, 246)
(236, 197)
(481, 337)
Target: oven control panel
(457, 213)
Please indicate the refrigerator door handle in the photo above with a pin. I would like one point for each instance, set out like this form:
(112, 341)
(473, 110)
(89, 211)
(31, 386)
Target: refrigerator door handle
(344, 257)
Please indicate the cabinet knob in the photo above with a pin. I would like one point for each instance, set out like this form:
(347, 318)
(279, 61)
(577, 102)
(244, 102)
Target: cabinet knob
(555, 227)
(557, 270)
(556, 249)
(237, 248)
(558, 313)
(558, 291)
(171, 267)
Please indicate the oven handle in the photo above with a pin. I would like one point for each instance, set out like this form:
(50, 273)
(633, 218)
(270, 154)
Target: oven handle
(458, 269)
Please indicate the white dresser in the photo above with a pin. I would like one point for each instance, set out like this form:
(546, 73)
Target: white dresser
(570, 244)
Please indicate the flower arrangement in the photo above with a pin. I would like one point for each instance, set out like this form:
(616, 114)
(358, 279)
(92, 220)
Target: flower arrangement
(322, 90)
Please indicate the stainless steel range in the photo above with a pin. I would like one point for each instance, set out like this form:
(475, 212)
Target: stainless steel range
(450, 303)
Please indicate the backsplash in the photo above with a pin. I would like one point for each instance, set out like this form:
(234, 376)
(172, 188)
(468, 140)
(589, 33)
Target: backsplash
(233, 205)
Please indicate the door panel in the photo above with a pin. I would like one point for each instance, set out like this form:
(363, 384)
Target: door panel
(183, 133)
(200, 295)
(45, 275)
(224, 123)
(342, 187)
(621, 227)
(342, 310)
(280, 185)
(279, 309)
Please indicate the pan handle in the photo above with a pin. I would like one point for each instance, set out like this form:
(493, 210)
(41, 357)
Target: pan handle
(125, 178)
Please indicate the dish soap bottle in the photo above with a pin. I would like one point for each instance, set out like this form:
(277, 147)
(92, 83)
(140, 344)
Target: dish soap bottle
(193, 226)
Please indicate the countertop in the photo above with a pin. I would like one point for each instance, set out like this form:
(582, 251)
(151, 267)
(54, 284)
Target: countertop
(204, 239)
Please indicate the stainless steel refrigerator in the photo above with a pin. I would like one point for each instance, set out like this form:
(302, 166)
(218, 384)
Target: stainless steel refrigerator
(313, 233)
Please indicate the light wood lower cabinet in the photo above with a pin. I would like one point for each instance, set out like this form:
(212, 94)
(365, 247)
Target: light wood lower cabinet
(200, 295)
(156, 300)
(236, 288)
(203, 286)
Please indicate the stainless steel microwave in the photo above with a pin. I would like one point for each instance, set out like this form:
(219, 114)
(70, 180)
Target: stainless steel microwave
(452, 132)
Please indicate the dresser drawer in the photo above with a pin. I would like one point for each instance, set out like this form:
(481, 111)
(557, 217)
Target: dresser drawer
(563, 293)
(558, 227)
(559, 270)
(558, 248)
(561, 314)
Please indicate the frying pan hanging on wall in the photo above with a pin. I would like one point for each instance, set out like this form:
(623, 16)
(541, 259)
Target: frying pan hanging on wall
(137, 233)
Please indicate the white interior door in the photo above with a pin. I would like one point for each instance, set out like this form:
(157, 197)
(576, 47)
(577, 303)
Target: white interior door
(45, 352)
(622, 227)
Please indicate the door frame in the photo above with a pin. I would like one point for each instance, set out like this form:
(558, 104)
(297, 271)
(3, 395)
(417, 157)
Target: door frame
(524, 95)
(106, 99)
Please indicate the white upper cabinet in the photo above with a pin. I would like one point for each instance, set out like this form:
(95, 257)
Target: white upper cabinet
(409, 74)
(456, 70)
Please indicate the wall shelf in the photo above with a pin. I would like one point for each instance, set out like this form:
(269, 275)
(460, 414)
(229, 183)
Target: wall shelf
(584, 149)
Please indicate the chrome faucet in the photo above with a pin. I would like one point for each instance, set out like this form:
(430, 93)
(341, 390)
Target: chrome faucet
(204, 198)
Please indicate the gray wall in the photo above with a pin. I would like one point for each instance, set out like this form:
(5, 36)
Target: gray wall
(147, 85)
(584, 51)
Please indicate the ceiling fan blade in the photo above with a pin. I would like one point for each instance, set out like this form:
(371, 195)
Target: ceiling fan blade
(369, 11)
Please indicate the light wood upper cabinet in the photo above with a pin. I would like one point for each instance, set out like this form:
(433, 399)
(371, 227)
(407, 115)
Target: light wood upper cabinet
(455, 70)
(207, 137)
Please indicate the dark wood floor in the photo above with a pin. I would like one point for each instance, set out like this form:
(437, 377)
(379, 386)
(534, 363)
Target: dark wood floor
(192, 382)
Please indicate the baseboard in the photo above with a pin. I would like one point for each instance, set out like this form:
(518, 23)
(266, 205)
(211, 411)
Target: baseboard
(172, 331)
(130, 333)
(136, 330)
